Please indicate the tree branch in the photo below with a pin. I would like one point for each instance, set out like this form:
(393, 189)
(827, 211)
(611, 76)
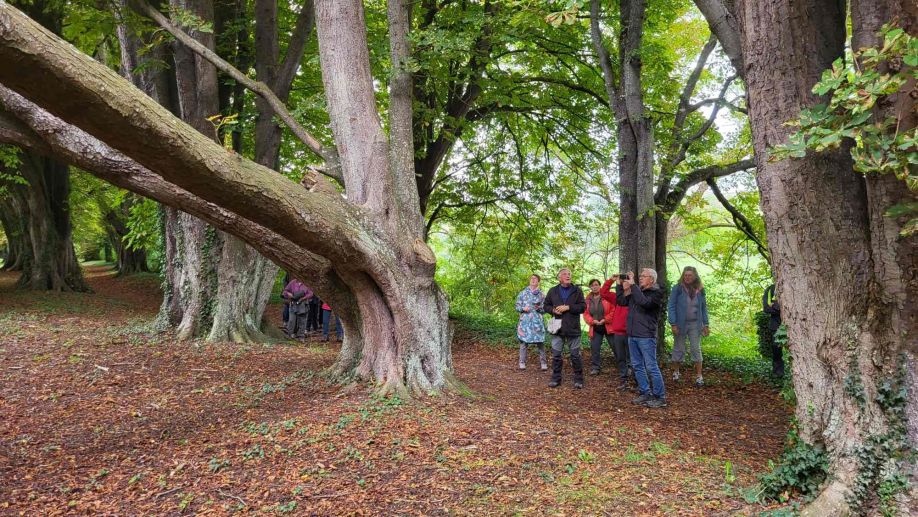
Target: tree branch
(671, 199)
(436, 213)
(605, 59)
(261, 89)
(42, 132)
(85, 93)
(570, 85)
(742, 224)
(723, 25)
(305, 23)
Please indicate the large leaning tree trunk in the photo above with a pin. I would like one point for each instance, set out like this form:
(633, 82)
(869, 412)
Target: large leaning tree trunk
(635, 133)
(373, 267)
(846, 278)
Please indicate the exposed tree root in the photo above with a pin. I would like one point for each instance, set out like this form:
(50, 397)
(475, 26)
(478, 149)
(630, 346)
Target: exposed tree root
(830, 503)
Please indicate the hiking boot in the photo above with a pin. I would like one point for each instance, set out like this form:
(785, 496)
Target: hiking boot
(554, 384)
(676, 375)
(522, 366)
(699, 381)
(578, 385)
(623, 386)
(594, 371)
(544, 366)
(642, 399)
(656, 402)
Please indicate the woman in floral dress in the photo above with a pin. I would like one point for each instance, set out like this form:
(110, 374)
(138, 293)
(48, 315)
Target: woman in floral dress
(531, 328)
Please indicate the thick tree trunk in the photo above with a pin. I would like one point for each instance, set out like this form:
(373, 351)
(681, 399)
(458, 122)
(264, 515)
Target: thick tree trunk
(14, 218)
(53, 265)
(846, 279)
(128, 260)
(636, 225)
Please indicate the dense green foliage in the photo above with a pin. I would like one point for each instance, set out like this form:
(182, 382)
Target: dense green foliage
(801, 471)
(858, 89)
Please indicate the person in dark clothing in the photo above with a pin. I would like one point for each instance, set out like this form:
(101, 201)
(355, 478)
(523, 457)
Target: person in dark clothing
(286, 315)
(644, 302)
(565, 303)
(771, 307)
(312, 314)
(296, 295)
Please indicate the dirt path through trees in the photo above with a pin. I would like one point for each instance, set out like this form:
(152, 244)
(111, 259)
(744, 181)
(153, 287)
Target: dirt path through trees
(98, 415)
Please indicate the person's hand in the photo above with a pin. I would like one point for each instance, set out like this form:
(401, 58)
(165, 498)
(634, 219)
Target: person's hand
(675, 330)
(557, 311)
(526, 309)
(706, 332)
(565, 308)
(602, 321)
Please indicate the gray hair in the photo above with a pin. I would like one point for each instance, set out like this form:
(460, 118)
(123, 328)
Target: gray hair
(563, 270)
(652, 273)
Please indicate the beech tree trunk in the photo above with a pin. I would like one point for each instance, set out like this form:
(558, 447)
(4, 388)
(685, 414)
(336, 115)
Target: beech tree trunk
(128, 261)
(636, 227)
(52, 263)
(845, 277)
(14, 218)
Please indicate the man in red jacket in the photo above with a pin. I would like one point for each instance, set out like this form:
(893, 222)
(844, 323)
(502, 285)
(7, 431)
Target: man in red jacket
(619, 334)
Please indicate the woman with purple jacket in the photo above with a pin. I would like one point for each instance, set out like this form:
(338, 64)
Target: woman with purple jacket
(297, 296)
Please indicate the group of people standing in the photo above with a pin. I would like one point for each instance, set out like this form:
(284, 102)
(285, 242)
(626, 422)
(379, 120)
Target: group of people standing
(301, 312)
(626, 318)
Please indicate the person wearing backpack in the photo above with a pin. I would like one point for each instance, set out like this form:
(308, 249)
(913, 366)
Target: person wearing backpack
(688, 315)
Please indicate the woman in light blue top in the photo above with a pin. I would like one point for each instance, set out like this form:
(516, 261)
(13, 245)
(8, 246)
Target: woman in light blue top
(688, 315)
(531, 328)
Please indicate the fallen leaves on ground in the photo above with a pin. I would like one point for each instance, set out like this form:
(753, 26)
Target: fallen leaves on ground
(102, 414)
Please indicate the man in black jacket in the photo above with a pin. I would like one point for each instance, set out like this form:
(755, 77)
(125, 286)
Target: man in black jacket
(771, 307)
(565, 303)
(644, 302)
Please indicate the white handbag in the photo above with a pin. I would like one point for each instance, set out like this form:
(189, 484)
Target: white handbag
(554, 325)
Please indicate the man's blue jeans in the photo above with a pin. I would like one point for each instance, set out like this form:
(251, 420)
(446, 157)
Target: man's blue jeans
(644, 352)
(326, 316)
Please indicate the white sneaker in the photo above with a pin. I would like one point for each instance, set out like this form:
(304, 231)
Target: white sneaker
(676, 376)
(544, 366)
(522, 366)
(699, 381)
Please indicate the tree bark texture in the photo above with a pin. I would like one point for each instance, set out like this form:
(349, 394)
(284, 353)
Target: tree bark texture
(379, 274)
(636, 227)
(846, 279)
(14, 216)
(128, 260)
(52, 264)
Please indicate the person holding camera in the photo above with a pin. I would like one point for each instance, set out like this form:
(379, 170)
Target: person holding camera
(644, 301)
(619, 331)
(598, 317)
(688, 315)
(565, 303)
(531, 328)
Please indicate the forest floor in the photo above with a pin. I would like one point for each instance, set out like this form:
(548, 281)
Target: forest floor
(100, 415)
